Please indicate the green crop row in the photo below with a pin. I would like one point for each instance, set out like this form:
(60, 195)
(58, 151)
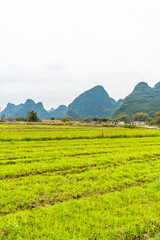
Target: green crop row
(21, 159)
(130, 214)
(83, 183)
(32, 191)
(44, 133)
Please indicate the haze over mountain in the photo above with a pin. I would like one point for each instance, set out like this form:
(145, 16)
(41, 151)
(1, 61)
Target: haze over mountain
(142, 99)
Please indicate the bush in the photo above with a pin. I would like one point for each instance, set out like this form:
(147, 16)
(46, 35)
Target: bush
(66, 119)
(21, 119)
(88, 120)
(10, 119)
(32, 117)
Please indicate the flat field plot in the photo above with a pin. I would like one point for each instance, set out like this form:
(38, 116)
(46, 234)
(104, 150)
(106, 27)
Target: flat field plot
(65, 182)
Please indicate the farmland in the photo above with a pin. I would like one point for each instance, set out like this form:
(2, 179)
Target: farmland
(79, 182)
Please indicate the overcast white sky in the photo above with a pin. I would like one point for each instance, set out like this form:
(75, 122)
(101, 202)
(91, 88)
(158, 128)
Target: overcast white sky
(53, 50)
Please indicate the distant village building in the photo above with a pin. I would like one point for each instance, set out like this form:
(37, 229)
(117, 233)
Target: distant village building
(121, 122)
(139, 123)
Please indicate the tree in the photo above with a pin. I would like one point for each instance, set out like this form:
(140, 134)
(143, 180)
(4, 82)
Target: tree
(150, 120)
(32, 117)
(66, 119)
(124, 118)
(95, 119)
(140, 117)
(88, 120)
(52, 118)
(156, 121)
(106, 119)
(157, 114)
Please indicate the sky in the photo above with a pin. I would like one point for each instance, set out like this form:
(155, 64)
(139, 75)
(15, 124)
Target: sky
(53, 50)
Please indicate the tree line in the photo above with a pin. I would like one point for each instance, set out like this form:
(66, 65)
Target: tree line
(137, 117)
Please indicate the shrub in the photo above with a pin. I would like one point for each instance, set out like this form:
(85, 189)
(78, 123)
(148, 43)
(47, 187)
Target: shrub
(32, 117)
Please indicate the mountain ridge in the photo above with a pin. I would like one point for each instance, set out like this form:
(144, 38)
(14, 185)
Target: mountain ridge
(94, 102)
(21, 110)
(143, 98)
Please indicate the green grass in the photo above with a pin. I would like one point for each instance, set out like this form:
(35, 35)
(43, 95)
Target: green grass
(79, 182)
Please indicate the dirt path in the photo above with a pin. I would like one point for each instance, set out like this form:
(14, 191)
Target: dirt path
(150, 127)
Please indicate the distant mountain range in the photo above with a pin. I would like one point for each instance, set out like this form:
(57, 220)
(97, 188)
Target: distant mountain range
(21, 110)
(95, 102)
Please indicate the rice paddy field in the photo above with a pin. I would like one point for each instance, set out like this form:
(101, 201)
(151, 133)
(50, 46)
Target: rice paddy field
(79, 182)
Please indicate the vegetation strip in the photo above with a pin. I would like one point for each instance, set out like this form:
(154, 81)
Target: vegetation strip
(106, 188)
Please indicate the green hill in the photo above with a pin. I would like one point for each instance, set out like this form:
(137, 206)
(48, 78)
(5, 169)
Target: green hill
(142, 99)
(94, 103)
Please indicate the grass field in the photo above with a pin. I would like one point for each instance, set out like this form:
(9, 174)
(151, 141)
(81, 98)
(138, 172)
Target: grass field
(79, 182)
